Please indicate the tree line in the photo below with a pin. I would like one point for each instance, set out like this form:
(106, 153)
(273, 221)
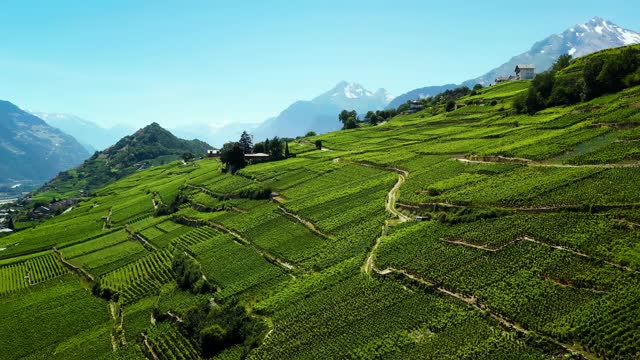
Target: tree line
(233, 153)
(599, 75)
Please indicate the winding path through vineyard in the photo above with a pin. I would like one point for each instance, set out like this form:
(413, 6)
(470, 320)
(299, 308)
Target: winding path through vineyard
(304, 222)
(242, 240)
(369, 266)
(529, 162)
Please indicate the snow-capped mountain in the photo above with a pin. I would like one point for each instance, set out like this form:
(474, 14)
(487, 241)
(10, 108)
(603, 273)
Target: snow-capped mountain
(321, 113)
(582, 39)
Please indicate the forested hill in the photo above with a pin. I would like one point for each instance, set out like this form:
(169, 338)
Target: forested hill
(32, 150)
(151, 145)
(466, 230)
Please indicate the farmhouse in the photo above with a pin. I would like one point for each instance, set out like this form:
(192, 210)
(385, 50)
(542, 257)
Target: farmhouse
(257, 156)
(415, 107)
(525, 71)
(213, 153)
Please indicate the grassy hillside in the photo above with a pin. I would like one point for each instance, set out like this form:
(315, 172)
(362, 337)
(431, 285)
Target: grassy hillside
(532, 250)
(151, 145)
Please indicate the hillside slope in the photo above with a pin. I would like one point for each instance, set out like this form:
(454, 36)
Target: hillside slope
(582, 39)
(150, 145)
(32, 150)
(475, 233)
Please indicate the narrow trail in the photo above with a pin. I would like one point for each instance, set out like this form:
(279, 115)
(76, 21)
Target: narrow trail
(72, 267)
(239, 238)
(140, 238)
(528, 162)
(369, 264)
(203, 190)
(149, 347)
(107, 220)
(390, 204)
(392, 196)
(532, 240)
(472, 301)
(390, 207)
(304, 222)
(539, 209)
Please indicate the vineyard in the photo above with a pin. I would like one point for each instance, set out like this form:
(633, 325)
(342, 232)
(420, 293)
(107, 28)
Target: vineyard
(140, 278)
(475, 233)
(31, 271)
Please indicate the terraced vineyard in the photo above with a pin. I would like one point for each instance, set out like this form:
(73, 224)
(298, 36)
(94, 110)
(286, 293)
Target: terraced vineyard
(528, 246)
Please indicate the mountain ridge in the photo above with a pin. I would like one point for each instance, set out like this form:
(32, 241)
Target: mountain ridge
(320, 114)
(150, 145)
(578, 40)
(32, 149)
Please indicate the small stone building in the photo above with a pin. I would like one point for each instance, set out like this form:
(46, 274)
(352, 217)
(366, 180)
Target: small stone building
(525, 71)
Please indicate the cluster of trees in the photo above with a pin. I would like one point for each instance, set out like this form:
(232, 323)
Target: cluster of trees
(232, 153)
(349, 119)
(375, 118)
(277, 147)
(189, 274)
(219, 327)
(447, 98)
(600, 75)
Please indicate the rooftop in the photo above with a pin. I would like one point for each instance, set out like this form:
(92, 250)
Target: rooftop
(256, 155)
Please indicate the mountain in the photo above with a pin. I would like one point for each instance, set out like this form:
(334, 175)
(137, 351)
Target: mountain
(212, 134)
(89, 134)
(321, 113)
(151, 145)
(595, 35)
(30, 149)
(582, 39)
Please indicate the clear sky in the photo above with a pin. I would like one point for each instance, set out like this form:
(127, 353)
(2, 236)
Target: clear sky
(174, 62)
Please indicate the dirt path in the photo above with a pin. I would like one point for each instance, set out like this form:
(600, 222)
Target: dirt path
(240, 239)
(72, 267)
(149, 347)
(476, 305)
(530, 239)
(107, 220)
(369, 264)
(390, 207)
(311, 226)
(528, 162)
(390, 204)
(140, 238)
(472, 301)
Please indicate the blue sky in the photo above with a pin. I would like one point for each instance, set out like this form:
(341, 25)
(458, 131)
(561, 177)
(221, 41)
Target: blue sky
(180, 62)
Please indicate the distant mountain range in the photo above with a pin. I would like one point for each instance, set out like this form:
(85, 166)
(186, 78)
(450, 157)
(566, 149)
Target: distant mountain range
(30, 149)
(151, 145)
(582, 39)
(92, 136)
(321, 113)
